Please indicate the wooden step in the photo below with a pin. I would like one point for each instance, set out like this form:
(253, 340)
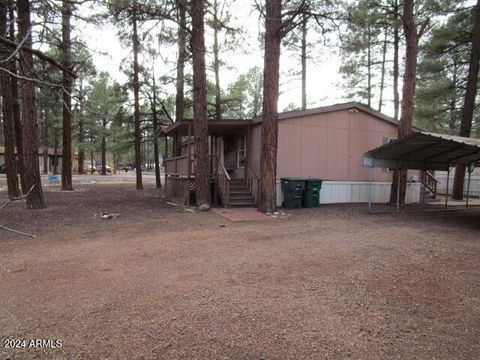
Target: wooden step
(238, 183)
(239, 191)
(238, 187)
(241, 197)
(242, 203)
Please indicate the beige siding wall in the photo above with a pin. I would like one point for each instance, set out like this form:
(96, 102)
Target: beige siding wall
(329, 146)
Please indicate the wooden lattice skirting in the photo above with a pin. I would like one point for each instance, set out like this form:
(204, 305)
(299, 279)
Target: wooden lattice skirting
(178, 189)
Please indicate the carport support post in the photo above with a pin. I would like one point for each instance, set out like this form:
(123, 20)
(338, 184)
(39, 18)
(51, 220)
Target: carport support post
(398, 185)
(370, 188)
(189, 150)
(448, 184)
(468, 183)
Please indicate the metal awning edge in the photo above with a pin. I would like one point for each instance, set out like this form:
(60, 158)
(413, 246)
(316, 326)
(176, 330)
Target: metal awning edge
(372, 158)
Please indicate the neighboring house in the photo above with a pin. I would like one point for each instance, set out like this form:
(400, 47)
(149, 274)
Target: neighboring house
(325, 142)
(41, 159)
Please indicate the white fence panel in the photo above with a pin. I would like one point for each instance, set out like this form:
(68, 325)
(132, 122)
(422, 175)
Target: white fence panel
(441, 176)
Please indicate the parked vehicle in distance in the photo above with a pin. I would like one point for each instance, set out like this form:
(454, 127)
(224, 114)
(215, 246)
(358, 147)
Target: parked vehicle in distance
(92, 168)
(98, 169)
(127, 168)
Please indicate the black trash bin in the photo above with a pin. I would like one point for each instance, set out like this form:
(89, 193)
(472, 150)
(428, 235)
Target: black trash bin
(292, 188)
(311, 194)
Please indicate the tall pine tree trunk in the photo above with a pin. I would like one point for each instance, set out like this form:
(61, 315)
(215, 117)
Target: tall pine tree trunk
(268, 155)
(92, 168)
(16, 105)
(304, 62)
(180, 95)
(158, 182)
(45, 142)
(104, 146)
(469, 104)
(67, 184)
(81, 149)
(369, 68)
(396, 42)
(452, 121)
(29, 114)
(182, 38)
(216, 62)
(408, 91)
(7, 109)
(136, 90)
(55, 151)
(382, 78)
(200, 125)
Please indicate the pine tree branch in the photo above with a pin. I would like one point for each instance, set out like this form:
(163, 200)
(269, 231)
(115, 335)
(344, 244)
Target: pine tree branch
(39, 54)
(17, 49)
(165, 110)
(36, 81)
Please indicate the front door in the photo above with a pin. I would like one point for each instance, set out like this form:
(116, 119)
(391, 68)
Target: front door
(232, 153)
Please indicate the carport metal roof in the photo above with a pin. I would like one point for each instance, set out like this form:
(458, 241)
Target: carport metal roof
(425, 151)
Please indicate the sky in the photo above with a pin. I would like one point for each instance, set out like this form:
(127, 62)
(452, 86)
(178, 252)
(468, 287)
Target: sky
(324, 82)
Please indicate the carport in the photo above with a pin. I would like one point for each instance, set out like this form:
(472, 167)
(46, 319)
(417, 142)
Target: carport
(424, 151)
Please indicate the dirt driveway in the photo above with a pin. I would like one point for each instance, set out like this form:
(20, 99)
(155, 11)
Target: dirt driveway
(161, 282)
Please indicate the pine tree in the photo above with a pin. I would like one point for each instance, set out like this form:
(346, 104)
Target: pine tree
(469, 103)
(277, 25)
(67, 183)
(442, 74)
(244, 97)
(8, 112)
(416, 20)
(180, 81)
(29, 117)
(200, 125)
(317, 20)
(364, 49)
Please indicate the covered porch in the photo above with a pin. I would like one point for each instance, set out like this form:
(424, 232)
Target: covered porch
(233, 181)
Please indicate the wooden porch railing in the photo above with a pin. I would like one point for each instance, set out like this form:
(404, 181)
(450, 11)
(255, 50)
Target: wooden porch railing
(252, 180)
(224, 184)
(429, 181)
(179, 165)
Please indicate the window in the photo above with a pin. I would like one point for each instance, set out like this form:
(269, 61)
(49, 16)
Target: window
(241, 151)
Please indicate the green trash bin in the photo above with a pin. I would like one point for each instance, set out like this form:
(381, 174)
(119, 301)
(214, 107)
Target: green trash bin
(292, 188)
(311, 194)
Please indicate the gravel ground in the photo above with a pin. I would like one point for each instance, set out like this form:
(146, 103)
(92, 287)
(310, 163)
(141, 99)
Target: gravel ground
(162, 282)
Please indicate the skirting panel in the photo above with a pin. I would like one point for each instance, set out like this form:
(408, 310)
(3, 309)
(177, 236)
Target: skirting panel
(357, 192)
(179, 189)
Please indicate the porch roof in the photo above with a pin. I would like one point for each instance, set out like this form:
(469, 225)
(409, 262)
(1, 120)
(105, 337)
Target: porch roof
(214, 126)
